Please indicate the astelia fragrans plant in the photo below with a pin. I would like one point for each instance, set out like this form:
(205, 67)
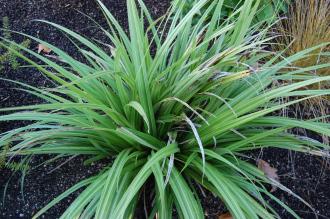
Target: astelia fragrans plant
(180, 116)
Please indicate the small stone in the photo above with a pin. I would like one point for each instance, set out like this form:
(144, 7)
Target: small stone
(21, 215)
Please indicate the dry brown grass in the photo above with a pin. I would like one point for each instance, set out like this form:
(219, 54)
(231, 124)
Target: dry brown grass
(307, 24)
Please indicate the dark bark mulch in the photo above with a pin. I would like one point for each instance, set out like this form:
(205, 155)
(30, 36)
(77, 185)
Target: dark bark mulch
(305, 175)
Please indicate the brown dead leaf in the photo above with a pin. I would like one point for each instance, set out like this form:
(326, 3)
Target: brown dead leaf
(43, 48)
(270, 172)
(225, 216)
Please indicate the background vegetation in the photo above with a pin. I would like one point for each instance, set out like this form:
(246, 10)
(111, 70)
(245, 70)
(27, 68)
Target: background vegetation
(6, 56)
(306, 25)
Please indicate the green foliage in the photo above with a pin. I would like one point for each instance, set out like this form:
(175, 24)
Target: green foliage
(13, 166)
(267, 10)
(184, 114)
(6, 56)
(3, 154)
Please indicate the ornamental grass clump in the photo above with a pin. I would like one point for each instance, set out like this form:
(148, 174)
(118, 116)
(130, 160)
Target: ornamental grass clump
(307, 25)
(180, 116)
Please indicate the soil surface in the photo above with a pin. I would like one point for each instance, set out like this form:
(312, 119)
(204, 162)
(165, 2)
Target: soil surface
(307, 176)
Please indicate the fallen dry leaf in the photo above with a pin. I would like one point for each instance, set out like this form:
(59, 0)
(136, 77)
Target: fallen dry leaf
(225, 216)
(270, 172)
(43, 48)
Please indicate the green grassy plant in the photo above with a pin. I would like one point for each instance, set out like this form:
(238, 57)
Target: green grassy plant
(11, 165)
(267, 10)
(6, 56)
(183, 115)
